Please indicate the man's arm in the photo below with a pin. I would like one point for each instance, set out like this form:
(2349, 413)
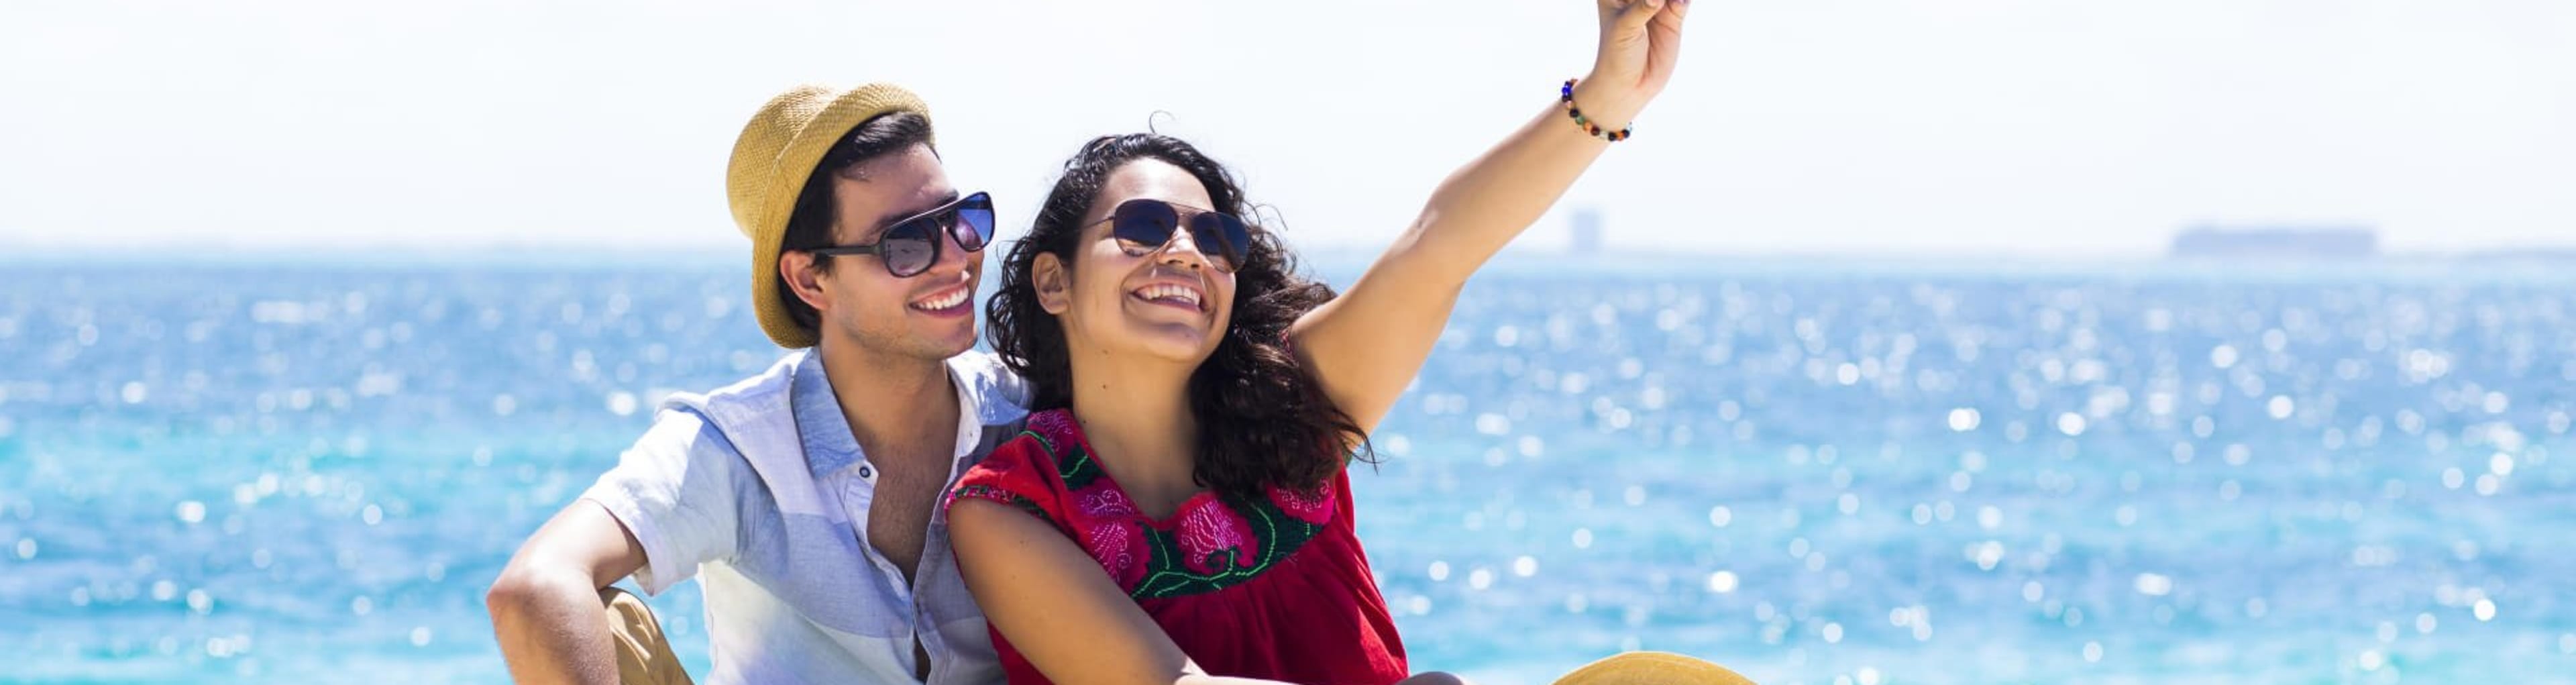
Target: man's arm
(668, 505)
(545, 606)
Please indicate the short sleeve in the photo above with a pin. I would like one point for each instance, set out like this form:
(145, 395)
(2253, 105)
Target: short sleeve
(676, 491)
(1015, 474)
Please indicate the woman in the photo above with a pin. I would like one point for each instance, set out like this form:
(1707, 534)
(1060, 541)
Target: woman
(1198, 399)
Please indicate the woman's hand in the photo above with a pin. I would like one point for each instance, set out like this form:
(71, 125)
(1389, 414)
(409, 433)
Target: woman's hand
(1640, 42)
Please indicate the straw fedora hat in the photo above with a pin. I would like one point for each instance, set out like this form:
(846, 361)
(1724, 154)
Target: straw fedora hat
(771, 160)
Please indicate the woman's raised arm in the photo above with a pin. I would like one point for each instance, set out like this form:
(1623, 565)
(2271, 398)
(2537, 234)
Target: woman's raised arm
(1365, 346)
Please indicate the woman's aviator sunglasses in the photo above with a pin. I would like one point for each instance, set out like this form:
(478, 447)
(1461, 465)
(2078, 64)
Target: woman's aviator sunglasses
(910, 246)
(1143, 226)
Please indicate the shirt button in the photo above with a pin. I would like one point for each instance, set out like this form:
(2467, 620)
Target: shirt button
(865, 473)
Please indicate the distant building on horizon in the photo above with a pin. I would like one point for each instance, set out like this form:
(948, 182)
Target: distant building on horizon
(1586, 228)
(2316, 242)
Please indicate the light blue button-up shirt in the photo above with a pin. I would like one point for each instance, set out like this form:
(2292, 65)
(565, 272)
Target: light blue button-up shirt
(761, 492)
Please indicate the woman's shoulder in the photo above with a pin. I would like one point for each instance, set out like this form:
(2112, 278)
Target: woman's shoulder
(1026, 470)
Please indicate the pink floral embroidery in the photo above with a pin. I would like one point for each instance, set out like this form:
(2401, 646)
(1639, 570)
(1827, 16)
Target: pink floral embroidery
(1120, 549)
(1106, 503)
(1056, 426)
(1209, 528)
(1314, 506)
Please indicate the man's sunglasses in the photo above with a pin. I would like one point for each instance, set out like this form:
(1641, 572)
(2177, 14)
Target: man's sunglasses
(910, 246)
(1143, 226)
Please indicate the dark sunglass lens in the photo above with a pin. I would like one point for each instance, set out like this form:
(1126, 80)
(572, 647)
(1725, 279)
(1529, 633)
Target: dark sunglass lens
(974, 226)
(1221, 237)
(1143, 225)
(908, 248)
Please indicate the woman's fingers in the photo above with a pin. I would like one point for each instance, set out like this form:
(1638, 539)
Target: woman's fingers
(1638, 12)
(1665, 40)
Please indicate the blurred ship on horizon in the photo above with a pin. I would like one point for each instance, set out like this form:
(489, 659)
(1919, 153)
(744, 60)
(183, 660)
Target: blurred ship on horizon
(2276, 241)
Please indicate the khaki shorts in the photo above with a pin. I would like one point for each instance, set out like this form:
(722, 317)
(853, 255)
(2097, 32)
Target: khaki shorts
(643, 652)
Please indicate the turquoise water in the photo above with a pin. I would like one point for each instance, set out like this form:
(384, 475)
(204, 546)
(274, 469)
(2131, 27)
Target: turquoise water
(1815, 472)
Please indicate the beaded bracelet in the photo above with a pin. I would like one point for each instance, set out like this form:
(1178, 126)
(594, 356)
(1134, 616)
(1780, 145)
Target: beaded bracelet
(1576, 113)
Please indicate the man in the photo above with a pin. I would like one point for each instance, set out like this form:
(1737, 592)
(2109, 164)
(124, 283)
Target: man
(804, 498)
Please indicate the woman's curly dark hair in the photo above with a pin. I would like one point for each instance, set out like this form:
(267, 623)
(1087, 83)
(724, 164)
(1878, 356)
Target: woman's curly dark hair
(1262, 420)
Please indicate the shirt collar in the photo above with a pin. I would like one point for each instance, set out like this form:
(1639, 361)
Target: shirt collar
(829, 444)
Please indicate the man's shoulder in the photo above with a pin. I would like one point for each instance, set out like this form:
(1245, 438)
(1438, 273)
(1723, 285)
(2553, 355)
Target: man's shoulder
(999, 395)
(683, 429)
(982, 367)
(751, 393)
(702, 423)
(778, 378)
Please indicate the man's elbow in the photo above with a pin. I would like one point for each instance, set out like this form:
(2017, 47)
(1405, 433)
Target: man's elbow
(508, 595)
(520, 589)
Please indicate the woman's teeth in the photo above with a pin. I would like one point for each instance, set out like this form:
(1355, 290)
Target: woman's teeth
(1170, 292)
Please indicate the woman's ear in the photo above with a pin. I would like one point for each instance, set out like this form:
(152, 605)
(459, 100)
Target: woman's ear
(1053, 282)
(796, 270)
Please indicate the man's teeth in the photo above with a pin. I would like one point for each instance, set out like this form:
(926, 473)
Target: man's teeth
(950, 300)
(1174, 292)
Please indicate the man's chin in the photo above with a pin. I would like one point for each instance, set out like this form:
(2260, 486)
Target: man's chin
(951, 344)
(922, 342)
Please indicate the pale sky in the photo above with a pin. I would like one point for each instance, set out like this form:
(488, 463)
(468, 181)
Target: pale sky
(1895, 127)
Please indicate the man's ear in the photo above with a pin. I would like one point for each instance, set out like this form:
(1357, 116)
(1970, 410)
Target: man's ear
(1053, 282)
(803, 280)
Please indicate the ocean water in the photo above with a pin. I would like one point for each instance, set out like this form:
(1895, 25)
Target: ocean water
(1814, 472)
